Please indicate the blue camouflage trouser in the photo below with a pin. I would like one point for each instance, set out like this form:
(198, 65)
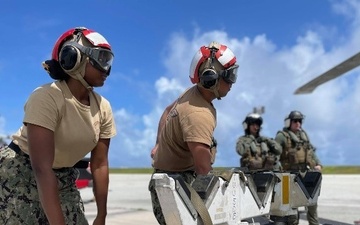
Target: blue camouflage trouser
(19, 198)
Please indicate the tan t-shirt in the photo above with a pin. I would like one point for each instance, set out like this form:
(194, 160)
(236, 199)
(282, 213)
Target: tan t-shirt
(192, 119)
(77, 127)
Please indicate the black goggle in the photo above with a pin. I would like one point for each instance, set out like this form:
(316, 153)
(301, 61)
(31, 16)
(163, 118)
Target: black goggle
(100, 58)
(230, 75)
(255, 121)
(296, 120)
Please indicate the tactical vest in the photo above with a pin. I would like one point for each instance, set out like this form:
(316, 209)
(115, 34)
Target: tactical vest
(298, 152)
(258, 155)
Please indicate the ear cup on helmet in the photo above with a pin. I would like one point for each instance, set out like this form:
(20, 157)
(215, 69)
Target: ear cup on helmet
(287, 122)
(252, 118)
(245, 126)
(69, 58)
(209, 78)
(293, 115)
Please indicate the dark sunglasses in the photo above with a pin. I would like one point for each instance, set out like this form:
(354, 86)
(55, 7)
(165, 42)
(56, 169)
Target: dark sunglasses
(297, 120)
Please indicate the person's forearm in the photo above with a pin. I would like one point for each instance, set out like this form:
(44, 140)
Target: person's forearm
(318, 167)
(49, 196)
(240, 149)
(203, 167)
(275, 147)
(101, 187)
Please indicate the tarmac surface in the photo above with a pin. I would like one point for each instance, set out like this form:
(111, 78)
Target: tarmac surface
(129, 200)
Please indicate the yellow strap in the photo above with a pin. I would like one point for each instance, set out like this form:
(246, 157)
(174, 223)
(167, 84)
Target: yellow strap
(199, 205)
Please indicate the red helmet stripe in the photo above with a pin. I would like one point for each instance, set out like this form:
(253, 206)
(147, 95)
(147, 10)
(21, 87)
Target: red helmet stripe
(60, 40)
(96, 39)
(197, 60)
(223, 54)
(221, 51)
(92, 36)
(226, 57)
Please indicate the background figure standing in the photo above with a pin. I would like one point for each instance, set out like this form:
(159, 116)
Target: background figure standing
(257, 152)
(63, 122)
(298, 154)
(185, 144)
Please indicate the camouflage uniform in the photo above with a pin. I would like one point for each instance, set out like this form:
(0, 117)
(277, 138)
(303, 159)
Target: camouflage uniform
(188, 177)
(19, 199)
(258, 153)
(298, 154)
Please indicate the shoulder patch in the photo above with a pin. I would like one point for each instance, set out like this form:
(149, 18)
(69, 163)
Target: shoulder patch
(173, 113)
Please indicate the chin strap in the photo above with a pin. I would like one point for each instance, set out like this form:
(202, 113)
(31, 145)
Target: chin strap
(83, 81)
(79, 75)
(215, 90)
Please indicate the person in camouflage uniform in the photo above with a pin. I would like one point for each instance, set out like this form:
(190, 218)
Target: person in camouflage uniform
(257, 152)
(63, 122)
(185, 144)
(298, 154)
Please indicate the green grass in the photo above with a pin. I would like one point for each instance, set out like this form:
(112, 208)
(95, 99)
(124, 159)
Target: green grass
(341, 170)
(131, 170)
(326, 170)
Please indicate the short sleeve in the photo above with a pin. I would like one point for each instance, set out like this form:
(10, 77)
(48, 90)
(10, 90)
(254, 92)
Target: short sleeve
(108, 128)
(42, 109)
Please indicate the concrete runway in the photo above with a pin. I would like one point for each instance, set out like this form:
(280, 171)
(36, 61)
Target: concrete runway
(129, 200)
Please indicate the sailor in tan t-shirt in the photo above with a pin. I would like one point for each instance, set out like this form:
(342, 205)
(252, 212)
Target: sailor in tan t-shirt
(185, 144)
(63, 122)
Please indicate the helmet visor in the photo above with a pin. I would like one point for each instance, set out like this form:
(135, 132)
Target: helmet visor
(101, 58)
(230, 75)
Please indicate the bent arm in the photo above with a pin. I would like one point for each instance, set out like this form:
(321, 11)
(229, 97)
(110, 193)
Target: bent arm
(274, 146)
(281, 140)
(42, 151)
(318, 165)
(240, 148)
(99, 166)
(202, 157)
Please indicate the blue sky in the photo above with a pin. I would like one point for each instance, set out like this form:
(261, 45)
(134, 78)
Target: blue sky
(280, 45)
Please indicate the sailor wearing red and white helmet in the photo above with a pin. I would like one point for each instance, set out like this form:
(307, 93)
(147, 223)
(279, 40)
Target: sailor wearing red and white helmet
(211, 65)
(185, 144)
(63, 122)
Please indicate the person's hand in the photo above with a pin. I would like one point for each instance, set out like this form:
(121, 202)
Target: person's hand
(99, 220)
(317, 168)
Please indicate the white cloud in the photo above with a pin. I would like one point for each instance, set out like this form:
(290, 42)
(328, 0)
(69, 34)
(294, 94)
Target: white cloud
(268, 76)
(4, 137)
